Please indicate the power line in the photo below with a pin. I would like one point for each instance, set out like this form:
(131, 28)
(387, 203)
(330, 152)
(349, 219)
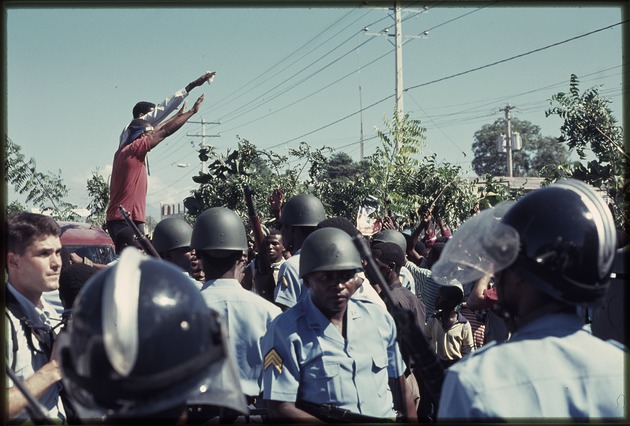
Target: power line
(450, 77)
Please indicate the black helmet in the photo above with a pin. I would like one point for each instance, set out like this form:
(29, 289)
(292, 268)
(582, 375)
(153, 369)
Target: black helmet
(391, 236)
(567, 241)
(143, 341)
(328, 249)
(219, 228)
(171, 233)
(561, 238)
(302, 210)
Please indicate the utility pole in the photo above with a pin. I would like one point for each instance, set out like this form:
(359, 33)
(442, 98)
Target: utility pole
(203, 148)
(361, 109)
(399, 63)
(398, 37)
(508, 138)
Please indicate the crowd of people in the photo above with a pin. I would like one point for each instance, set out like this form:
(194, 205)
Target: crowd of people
(507, 317)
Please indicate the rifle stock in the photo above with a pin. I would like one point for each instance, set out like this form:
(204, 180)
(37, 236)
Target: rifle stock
(142, 239)
(427, 364)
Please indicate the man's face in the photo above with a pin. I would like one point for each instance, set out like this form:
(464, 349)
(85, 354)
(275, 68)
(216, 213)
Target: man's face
(182, 257)
(276, 248)
(330, 290)
(37, 269)
(287, 236)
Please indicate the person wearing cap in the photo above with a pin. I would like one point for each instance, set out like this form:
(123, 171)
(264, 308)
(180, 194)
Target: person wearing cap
(128, 187)
(220, 240)
(155, 114)
(299, 218)
(551, 254)
(331, 357)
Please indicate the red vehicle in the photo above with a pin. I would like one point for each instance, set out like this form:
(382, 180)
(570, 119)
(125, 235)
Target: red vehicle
(87, 240)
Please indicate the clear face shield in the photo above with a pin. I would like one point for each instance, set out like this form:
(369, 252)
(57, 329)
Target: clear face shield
(481, 246)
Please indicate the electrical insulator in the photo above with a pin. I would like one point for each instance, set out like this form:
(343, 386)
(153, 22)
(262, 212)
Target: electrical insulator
(501, 143)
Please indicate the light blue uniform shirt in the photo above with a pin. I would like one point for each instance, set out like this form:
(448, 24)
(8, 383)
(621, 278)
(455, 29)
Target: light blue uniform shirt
(550, 368)
(247, 316)
(312, 361)
(289, 288)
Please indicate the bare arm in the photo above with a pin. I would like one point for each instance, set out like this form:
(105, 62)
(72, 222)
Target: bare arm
(476, 299)
(174, 123)
(198, 82)
(287, 412)
(404, 404)
(37, 384)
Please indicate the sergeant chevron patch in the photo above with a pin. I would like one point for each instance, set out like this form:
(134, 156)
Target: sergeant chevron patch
(273, 358)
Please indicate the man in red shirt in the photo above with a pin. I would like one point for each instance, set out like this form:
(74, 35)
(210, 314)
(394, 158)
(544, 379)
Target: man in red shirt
(128, 186)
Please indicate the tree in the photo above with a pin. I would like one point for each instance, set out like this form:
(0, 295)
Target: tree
(590, 124)
(98, 191)
(536, 155)
(44, 190)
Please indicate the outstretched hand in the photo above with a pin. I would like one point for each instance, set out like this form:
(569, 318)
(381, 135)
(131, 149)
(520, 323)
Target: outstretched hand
(198, 102)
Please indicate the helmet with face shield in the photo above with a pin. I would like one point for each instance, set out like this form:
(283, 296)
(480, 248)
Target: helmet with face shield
(142, 341)
(560, 238)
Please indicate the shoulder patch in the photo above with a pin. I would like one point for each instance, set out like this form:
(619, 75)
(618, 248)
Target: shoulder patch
(273, 358)
(284, 281)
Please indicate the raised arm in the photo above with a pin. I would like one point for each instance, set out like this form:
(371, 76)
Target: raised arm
(170, 104)
(174, 123)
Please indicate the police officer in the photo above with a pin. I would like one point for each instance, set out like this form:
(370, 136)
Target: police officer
(330, 356)
(299, 218)
(220, 240)
(171, 239)
(549, 252)
(143, 345)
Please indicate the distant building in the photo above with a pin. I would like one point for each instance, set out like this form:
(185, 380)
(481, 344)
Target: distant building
(172, 210)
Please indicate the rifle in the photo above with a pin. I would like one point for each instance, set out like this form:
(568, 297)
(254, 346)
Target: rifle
(333, 414)
(265, 283)
(427, 364)
(142, 239)
(39, 414)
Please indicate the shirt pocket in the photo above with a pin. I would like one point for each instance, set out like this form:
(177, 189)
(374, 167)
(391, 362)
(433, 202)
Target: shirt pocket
(379, 373)
(323, 380)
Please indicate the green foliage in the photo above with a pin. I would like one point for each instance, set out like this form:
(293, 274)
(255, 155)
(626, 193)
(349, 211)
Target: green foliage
(44, 190)
(590, 125)
(15, 207)
(537, 154)
(396, 174)
(98, 191)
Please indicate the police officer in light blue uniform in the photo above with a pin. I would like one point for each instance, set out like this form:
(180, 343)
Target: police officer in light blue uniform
(300, 215)
(220, 239)
(550, 252)
(331, 350)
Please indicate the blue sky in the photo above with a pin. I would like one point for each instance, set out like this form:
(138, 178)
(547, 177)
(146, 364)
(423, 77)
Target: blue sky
(285, 75)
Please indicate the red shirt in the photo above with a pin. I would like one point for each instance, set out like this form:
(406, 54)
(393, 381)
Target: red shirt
(128, 186)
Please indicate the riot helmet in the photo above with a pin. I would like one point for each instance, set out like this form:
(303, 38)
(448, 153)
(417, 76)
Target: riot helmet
(143, 341)
(329, 249)
(219, 229)
(567, 241)
(171, 233)
(391, 236)
(561, 238)
(302, 210)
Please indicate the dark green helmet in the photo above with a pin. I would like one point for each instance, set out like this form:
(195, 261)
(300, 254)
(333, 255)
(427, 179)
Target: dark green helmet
(302, 210)
(329, 249)
(171, 233)
(391, 236)
(219, 228)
